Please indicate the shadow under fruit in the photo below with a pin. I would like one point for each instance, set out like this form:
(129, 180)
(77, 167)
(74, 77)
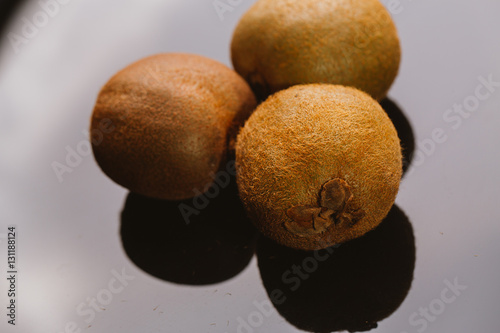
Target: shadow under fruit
(216, 245)
(404, 129)
(349, 287)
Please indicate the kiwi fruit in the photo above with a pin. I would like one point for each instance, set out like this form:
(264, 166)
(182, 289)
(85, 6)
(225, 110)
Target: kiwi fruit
(318, 165)
(280, 43)
(170, 122)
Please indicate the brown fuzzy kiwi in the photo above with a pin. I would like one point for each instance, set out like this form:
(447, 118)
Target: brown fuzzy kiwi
(169, 120)
(280, 43)
(317, 165)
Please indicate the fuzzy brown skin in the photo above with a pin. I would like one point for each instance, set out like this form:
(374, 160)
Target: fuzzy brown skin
(280, 43)
(318, 165)
(171, 119)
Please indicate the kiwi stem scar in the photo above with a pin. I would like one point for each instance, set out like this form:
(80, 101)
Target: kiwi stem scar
(335, 207)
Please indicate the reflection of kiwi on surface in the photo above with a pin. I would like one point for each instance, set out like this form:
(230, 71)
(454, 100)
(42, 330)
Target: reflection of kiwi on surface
(349, 287)
(170, 120)
(318, 165)
(280, 43)
(209, 246)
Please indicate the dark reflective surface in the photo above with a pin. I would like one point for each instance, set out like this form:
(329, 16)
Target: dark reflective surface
(404, 129)
(216, 245)
(349, 287)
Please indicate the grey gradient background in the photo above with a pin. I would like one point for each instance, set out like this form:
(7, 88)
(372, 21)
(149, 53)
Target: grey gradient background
(68, 231)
